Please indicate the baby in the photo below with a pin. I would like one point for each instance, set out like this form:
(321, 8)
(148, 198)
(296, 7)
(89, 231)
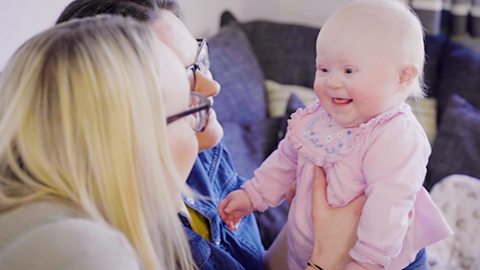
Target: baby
(370, 58)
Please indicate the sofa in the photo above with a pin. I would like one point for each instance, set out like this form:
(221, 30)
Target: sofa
(262, 63)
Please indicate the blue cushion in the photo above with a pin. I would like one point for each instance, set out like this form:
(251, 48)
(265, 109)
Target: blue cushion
(286, 52)
(460, 75)
(434, 49)
(234, 65)
(294, 103)
(249, 144)
(456, 149)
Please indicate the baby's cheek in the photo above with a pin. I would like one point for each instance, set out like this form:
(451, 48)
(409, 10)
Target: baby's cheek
(318, 87)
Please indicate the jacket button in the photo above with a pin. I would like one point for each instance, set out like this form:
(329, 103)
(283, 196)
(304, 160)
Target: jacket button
(190, 201)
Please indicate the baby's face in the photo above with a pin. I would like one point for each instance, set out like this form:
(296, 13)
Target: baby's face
(357, 76)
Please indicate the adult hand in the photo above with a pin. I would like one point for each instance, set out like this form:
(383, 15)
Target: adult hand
(290, 194)
(334, 228)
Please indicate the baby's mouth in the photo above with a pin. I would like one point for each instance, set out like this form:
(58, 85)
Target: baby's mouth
(341, 101)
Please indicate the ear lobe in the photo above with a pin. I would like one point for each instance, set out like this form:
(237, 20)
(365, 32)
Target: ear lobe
(408, 75)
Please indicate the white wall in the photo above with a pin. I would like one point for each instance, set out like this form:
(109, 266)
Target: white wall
(21, 19)
(203, 16)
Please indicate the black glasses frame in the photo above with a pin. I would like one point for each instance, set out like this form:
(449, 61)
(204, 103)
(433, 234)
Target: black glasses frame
(202, 43)
(206, 106)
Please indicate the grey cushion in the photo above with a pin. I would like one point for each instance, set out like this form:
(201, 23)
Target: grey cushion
(249, 144)
(294, 103)
(434, 48)
(456, 149)
(460, 75)
(234, 65)
(286, 52)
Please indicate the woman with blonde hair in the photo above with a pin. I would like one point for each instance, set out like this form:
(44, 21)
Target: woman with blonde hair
(98, 132)
(90, 173)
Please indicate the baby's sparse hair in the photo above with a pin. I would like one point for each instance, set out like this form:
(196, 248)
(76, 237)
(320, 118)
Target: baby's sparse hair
(396, 28)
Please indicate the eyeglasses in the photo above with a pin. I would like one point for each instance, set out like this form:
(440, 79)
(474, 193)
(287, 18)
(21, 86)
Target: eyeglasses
(202, 63)
(199, 107)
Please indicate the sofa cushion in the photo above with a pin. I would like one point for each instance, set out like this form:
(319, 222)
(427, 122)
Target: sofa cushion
(426, 112)
(249, 144)
(456, 149)
(286, 52)
(235, 67)
(460, 75)
(280, 45)
(434, 48)
(278, 96)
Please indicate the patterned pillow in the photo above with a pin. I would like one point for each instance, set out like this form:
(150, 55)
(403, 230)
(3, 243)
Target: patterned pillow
(456, 149)
(458, 197)
(235, 67)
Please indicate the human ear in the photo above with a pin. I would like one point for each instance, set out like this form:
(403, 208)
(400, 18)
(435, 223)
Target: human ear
(408, 74)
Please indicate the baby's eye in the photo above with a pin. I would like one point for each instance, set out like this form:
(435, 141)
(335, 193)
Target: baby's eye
(349, 70)
(322, 69)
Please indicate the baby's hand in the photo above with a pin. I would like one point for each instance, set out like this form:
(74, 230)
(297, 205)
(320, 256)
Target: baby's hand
(234, 207)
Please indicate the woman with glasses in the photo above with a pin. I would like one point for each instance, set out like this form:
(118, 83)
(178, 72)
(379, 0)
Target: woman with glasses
(98, 132)
(213, 175)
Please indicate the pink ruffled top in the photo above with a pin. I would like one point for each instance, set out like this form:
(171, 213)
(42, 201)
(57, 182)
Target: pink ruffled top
(385, 158)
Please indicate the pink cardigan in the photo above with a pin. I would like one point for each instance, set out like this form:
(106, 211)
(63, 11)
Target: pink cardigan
(384, 158)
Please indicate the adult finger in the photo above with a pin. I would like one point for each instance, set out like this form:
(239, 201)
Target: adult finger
(357, 204)
(319, 197)
(290, 194)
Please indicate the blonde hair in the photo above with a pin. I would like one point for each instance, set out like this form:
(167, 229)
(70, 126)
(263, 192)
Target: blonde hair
(397, 27)
(82, 120)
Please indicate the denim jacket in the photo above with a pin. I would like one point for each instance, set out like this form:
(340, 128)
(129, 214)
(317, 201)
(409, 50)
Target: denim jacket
(214, 175)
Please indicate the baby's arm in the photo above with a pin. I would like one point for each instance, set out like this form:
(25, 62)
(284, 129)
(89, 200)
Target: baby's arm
(234, 207)
(266, 189)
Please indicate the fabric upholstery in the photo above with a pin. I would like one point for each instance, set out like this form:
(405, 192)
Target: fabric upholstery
(235, 67)
(249, 144)
(456, 149)
(458, 197)
(426, 112)
(286, 52)
(278, 96)
(459, 75)
(434, 52)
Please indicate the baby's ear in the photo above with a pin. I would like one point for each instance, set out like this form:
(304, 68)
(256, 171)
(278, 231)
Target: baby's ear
(408, 73)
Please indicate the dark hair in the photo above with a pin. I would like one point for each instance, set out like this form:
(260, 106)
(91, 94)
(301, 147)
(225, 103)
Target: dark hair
(141, 10)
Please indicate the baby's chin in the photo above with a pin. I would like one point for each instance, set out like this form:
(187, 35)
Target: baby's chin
(212, 134)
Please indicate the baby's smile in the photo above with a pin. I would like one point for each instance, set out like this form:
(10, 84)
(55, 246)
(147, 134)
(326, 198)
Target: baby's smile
(341, 101)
